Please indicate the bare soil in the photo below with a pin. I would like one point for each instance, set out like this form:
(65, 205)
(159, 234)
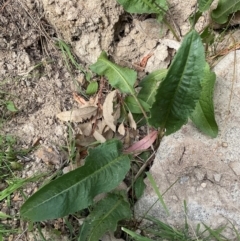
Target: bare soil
(34, 75)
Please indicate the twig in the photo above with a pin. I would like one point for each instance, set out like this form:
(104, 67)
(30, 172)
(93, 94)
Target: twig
(4, 5)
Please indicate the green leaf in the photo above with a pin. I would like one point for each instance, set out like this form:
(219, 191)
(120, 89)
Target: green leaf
(194, 17)
(104, 217)
(149, 85)
(208, 35)
(104, 169)
(139, 187)
(204, 5)
(179, 92)
(10, 106)
(4, 215)
(135, 235)
(145, 6)
(92, 88)
(203, 115)
(119, 77)
(224, 8)
(133, 106)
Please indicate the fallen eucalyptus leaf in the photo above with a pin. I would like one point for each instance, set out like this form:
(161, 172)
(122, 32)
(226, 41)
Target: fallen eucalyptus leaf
(132, 122)
(99, 137)
(121, 129)
(78, 115)
(143, 144)
(108, 110)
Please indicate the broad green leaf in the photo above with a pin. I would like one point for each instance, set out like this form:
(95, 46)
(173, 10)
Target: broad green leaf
(133, 106)
(203, 115)
(136, 236)
(139, 187)
(119, 77)
(104, 169)
(224, 8)
(145, 6)
(149, 85)
(104, 217)
(179, 92)
(92, 88)
(204, 5)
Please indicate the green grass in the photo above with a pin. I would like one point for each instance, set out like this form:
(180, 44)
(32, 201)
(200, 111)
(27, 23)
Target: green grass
(9, 166)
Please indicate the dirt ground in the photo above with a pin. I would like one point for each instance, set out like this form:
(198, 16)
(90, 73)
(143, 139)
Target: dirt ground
(34, 74)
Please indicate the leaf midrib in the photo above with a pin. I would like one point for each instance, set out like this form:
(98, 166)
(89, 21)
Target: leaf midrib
(105, 216)
(153, 91)
(106, 61)
(65, 190)
(206, 3)
(171, 103)
(226, 11)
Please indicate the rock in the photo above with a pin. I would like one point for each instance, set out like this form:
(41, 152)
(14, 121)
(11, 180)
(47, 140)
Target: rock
(235, 167)
(159, 60)
(206, 171)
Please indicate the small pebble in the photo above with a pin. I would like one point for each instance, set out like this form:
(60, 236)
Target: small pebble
(224, 144)
(217, 177)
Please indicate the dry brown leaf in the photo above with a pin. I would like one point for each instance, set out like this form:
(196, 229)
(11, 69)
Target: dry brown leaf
(86, 128)
(108, 110)
(144, 60)
(84, 140)
(102, 126)
(132, 122)
(78, 115)
(83, 103)
(121, 129)
(127, 138)
(99, 137)
(117, 113)
(108, 135)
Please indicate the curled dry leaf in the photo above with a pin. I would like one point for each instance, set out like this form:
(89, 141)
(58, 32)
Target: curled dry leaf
(132, 122)
(99, 137)
(108, 110)
(144, 60)
(143, 144)
(78, 115)
(83, 103)
(84, 141)
(108, 135)
(102, 126)
(86, 128)
(121, 129)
